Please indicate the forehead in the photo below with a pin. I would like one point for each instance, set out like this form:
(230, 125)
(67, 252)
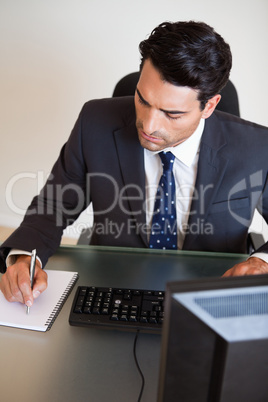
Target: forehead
(162, 94)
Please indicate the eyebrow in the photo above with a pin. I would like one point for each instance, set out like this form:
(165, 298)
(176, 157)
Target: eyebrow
(162, 110)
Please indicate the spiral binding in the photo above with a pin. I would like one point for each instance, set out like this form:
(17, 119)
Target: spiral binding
(51, 319)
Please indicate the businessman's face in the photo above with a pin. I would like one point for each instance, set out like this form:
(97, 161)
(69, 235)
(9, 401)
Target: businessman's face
(166, 115)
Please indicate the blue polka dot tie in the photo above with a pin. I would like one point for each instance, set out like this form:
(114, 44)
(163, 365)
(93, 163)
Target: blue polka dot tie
(164, 223)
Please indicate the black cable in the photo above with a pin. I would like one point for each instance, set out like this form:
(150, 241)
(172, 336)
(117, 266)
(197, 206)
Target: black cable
(138, 366)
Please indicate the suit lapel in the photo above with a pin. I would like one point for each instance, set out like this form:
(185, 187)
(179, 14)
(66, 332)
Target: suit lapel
(132, 170)
(211, 169)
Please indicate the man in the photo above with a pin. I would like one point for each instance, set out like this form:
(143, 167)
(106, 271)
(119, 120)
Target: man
(111, 160)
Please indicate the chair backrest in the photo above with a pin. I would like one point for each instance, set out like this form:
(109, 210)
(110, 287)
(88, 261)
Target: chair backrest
(229, 99)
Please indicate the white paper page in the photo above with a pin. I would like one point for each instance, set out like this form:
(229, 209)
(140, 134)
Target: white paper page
(45, 306)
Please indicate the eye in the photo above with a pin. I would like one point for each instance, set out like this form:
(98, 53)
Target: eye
(142, 101)
(170, 117)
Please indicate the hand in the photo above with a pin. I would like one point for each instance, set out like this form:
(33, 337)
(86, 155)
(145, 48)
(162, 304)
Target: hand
(253, 266)
(15, 284)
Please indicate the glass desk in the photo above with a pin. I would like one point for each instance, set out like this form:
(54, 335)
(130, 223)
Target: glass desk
(84, 364)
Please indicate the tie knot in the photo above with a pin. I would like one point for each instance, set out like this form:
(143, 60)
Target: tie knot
(167, 159)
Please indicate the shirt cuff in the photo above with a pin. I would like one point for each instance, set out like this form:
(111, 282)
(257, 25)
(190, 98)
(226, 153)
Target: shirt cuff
(262, 256)
(13, 255)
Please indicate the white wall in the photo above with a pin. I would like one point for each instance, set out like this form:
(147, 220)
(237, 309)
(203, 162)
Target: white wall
(57, 54)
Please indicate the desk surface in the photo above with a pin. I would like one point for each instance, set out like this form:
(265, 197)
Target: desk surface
(74, 363)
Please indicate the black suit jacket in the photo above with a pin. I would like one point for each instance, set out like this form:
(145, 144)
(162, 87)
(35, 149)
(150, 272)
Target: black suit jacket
(103, 163)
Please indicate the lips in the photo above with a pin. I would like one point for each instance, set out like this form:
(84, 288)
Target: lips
(149, 137)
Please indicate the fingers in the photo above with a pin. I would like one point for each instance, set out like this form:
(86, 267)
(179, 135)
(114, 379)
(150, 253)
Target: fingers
(29, 294)
(40, 282)
(237, 270)
(253, 266)
(15, 283)
(9, 285)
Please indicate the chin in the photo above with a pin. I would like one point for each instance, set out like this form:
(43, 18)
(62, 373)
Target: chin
(149, 145)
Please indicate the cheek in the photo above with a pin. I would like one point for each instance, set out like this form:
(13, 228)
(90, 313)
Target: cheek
(183, 128)
(189, 123)
(141, 111)
(178, 126)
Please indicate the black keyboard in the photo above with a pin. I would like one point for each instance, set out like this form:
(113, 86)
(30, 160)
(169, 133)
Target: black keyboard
(125, 309)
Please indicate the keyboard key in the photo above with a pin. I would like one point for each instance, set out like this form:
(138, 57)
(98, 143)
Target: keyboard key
(119, 292)
(143, 319)
(159, 294)
(80, 301)
(154, 298)
(144, 313)
(83, 291)
(107, 300)
(148, 293)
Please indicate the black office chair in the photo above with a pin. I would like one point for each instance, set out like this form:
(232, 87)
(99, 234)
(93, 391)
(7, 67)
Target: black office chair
(229, 99)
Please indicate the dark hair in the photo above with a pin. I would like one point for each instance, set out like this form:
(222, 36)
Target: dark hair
(189, 54)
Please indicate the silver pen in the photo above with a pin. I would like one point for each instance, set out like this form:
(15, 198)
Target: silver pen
(32, 270)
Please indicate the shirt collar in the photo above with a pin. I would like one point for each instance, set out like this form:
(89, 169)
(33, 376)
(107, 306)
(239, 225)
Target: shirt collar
(188, 149)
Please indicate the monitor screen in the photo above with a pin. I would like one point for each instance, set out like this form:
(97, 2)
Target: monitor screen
(215, 340)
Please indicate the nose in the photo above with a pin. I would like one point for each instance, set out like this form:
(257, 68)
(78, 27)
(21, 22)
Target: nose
(150, 121)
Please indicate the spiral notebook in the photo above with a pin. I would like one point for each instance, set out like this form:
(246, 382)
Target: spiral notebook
(45, 308)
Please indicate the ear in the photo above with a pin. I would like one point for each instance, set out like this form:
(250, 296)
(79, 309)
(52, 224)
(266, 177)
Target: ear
(210, 106)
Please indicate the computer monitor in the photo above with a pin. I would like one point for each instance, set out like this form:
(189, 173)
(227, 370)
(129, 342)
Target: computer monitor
(215, 341)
